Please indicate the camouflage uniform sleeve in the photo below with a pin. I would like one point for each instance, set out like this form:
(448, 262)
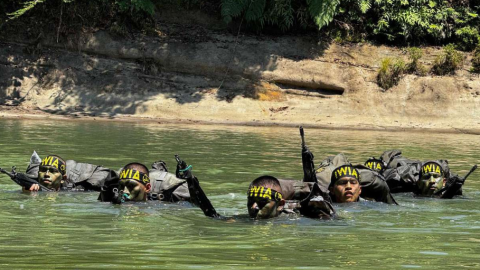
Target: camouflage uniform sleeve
(180, 193)
(175, 189)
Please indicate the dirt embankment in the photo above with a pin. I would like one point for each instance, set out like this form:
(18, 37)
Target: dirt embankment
(191, 73)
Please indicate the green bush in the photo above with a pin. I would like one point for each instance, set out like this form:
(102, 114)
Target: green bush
(136, 6)
(420, 21)
(390, 73)
(118, 16)
(468, 38)
(385, 21)
(415, 67)
(447, 63)
(476, 60)
(283, 14)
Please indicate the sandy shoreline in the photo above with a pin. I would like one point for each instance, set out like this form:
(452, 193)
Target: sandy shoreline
(13, 113)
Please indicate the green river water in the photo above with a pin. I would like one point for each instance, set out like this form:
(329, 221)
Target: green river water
(75, 231)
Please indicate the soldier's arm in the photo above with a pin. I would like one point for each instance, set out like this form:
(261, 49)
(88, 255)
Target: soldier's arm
(197, 195)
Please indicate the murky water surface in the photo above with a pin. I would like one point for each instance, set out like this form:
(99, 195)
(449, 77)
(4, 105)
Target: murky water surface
(74, 231)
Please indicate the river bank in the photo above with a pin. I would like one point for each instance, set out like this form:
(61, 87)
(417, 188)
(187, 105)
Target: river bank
(21, 113)
(194, 74)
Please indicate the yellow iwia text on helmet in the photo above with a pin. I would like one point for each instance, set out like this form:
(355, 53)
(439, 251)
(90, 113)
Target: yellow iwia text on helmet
(54, 161)
(432, 167)
(134, 175)
(264, 193)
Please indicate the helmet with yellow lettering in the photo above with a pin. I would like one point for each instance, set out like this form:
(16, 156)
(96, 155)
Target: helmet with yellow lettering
(375, 164)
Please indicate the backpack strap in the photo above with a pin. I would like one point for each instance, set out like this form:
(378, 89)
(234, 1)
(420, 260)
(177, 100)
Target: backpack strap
(157, 183)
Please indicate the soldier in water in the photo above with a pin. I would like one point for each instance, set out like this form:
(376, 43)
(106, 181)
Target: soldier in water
(53, 173)
(344, 181)
(429, 178)
(265, 198)
(137, 183)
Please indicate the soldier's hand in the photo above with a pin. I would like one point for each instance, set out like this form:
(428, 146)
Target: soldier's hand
(306, 153)
(34, 187)
(183, 171)
(454, 180)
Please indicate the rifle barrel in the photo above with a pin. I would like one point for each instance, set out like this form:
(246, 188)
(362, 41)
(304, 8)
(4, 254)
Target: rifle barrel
(302, 135)
(470, 172)
(7, 173)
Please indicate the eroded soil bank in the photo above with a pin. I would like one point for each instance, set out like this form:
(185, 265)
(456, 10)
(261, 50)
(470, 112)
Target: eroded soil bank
(191, 73)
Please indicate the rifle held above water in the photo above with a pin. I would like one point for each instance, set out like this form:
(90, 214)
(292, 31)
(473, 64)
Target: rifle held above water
(23, 179)
(309, 174)
(197, 195)
(454, 185)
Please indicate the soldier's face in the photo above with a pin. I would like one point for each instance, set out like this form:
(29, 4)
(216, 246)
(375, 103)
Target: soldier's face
(263, 208)
(430, 183)
(134, 189)
(346, 189)
(50, 177)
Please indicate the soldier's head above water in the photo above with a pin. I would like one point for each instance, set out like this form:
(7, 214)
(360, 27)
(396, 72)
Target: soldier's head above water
(265, 199)
(432, 179)
(134, 182)
(375, 164)
(345, 184)
(51, 173)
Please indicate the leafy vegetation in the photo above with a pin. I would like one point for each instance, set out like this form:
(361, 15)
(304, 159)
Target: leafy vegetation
(390, 73)
(386, 21)
(415, 67)
(476, 60)
(447, 63)
(406, 22)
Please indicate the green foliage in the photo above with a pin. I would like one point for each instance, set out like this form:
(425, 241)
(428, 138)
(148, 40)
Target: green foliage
(124, 6)
(255, 10)
(468, 37)
(447, 63)
(408, 21)
(232, 9)
(476, 60)
(279, 13)
(26, 7)
(252, 10)
(390, 73)
(364, 5)
(283, 14)
(413, 20)
(323, 11)
(29, 5)
(136, 6)
(415, 67)
(386, 21)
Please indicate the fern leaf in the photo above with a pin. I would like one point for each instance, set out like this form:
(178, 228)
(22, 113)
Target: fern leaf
(233, 8)
(323, 11)
(364, 5)
(26, 7)
(255, 9)
(143, 5)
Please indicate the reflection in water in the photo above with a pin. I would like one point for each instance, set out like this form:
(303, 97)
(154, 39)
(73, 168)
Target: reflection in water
(74, 231)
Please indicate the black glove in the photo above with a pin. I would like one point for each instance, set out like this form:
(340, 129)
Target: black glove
(452, 187)
(183, 171)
